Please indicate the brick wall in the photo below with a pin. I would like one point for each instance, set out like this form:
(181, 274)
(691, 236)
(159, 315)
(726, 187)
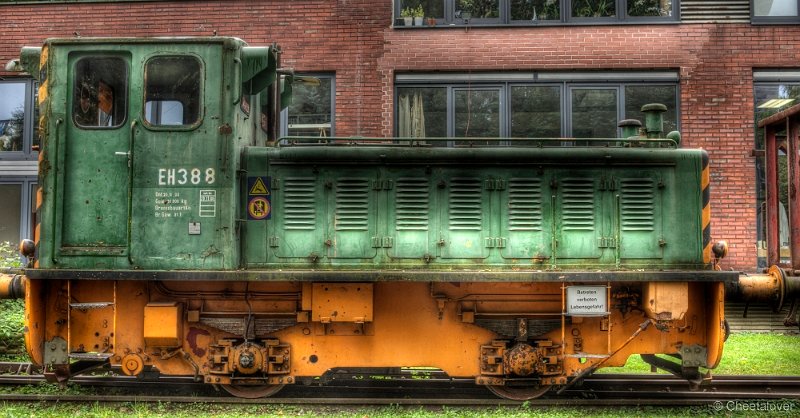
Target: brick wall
(353, 39)
(344, 37)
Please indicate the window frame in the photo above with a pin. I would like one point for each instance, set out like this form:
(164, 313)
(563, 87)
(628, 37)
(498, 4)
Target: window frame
(284, 116)
(28, 121)
(561, 92)
(502, 126)
(566, 82)
(565, 16)
(27, 203)
(765, 78)
(617, 88)
(19, 167)
(773, 20)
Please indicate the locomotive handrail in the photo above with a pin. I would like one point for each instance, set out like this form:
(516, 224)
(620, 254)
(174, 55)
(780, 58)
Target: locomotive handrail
(237, 80)
(129, 228)
(638, 142)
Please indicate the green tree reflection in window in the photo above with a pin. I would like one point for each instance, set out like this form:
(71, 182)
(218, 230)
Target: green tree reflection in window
(594, 8)
(477, 9)
(649, 7)
(533, 10)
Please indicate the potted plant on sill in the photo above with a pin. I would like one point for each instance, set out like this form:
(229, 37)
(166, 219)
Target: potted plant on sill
(418, 14)
(408, 16)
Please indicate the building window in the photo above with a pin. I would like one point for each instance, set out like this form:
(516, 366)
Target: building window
(637, 96)
(535, 111)
(422, 112)
(505, 105)
(19, 142)
(312, 108)
(523, 11)
(478, 11)
(19, 133)
(774, 11)
(774, 91)
(593, 112)
(18, 209)
(476, 112)
(530, 12)
(12, 115)
(11, 208)
(774, 8)
(593, 8)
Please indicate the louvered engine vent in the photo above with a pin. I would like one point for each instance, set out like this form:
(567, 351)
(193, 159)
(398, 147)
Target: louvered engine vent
(352, 204)
(412, 204)
(465, 204)
(299, 204)
(525, 204)
(577, 204)
(638, 204)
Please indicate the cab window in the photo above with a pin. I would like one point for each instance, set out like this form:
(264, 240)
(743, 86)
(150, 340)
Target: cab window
(172, 91)
(99, 92)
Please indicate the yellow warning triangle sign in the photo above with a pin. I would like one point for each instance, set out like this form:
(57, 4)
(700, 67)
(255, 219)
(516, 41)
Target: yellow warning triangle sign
(259, 189)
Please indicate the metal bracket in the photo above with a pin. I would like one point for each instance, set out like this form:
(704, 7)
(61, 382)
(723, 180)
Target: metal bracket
(55, 351)
(495, 242)
(694, 356)
(494, 184)
(607, 242)
(382, 184)
(609, 184)
(382, 242)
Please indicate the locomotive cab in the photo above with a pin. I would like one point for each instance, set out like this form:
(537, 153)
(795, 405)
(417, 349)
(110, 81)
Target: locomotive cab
(144, 142)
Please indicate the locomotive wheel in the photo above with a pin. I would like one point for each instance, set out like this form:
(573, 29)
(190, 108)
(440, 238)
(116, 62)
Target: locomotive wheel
(252, 392)
(519, 393)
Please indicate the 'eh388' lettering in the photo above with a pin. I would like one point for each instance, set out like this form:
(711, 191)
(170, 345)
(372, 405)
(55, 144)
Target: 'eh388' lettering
(181, 176)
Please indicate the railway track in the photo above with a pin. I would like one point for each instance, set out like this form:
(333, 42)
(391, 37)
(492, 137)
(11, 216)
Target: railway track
(409, 387)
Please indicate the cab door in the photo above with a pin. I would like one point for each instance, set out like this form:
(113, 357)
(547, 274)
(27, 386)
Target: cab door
(93, 160)
(181, 152)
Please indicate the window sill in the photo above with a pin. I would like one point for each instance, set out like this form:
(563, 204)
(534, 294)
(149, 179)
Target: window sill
(541, 23)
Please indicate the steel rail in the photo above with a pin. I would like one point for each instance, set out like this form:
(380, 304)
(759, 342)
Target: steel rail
(434, 388)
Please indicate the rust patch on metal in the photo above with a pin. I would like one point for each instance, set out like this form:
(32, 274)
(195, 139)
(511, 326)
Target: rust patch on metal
(191, 338)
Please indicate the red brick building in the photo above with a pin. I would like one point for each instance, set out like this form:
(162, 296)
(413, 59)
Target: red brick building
(504, 69)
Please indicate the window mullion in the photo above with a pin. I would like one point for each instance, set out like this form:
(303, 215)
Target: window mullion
(28, 122)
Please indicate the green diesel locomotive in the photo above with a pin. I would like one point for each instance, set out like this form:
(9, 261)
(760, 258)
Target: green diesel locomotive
(178, 233)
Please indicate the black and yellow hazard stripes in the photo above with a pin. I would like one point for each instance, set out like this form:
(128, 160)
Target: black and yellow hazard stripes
(705, 186)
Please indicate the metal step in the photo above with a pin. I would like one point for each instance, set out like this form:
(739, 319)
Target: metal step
(91, 356)
(90, 305)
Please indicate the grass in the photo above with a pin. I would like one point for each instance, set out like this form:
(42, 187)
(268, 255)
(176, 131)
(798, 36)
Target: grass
(12, 346)
(744, 354)
(230, 411)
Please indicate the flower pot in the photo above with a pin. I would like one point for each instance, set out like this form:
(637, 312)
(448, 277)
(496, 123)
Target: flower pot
(431, 21)
(407, 21)
(417, 21)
